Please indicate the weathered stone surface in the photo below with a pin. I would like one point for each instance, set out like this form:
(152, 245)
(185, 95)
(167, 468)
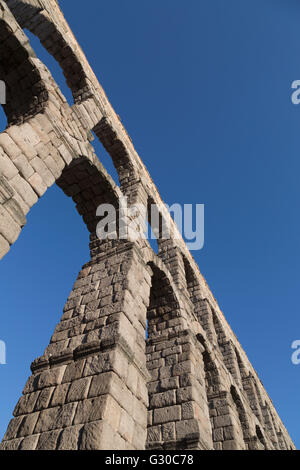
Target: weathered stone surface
(164, 415)
(59, 394)
(70, 438)
(90, 410)
(78, 390)
(189, 429)
(15, 444)
(24, 166)
(26, 404)
(38, 184)
(48, 440)
(8, 145)
(23, 188)
(55, 418)
(97, 436)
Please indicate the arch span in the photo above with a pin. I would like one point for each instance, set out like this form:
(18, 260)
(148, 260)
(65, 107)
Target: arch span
(56, 40)
(27, 97)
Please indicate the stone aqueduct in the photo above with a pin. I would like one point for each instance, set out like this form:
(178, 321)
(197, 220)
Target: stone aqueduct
(95, 387)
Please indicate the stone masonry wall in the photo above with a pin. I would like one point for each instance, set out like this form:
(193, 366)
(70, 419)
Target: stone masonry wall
(143, 357)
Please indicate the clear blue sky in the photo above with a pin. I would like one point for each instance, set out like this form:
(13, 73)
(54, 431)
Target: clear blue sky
(203, 88)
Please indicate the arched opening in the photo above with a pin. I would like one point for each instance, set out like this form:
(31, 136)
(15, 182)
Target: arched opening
(227, 349)
(269, 423)
(215, 397)
(118, 153)
(194, 290)
(218, 329)
(105, 159)
(190, 277)
(163, 304)
(52, 64)
(162, 318)
(223, 343)
(212, 376)
(212, 381)
(36, 277)
(260, 437)
(88, 187)
(280, 436)
(250, 387)
(241, 413)
(258, 393)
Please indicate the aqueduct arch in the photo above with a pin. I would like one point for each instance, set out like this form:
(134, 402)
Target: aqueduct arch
(99, 384)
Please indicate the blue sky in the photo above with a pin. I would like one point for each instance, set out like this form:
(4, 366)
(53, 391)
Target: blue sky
(203, 88)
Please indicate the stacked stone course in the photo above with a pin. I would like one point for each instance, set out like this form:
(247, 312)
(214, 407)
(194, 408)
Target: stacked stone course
(100, 384)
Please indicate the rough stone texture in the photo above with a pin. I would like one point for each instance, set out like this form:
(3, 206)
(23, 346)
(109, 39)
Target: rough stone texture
(98, 386)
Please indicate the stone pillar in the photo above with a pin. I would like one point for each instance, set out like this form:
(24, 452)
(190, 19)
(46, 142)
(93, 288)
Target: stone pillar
(204, 314)
(270, 426)
(89, 390)
(227, 430)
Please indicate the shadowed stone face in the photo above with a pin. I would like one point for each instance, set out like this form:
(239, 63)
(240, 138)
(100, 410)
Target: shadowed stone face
(99, 383)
